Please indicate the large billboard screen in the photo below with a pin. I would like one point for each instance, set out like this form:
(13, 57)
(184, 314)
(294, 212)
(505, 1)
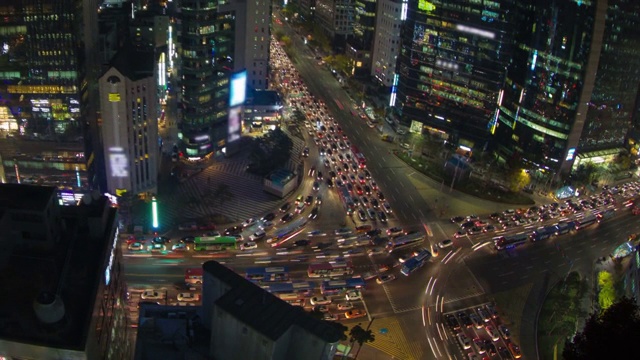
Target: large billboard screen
(235, 126)
(238, 89)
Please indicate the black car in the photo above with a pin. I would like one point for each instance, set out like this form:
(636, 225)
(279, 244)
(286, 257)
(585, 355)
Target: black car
(285, 207)
(491, 349)
(504, 352)
(321, 245)
(465, 319)
(234, 230)
(287, 217)
(380, 196)
(382, 216)
(453, 322)
(308, 200)
(160, 240)
(375, 203)
(314, 213)
(495, 216)
(269, 217)
(457, 219)
(303, 242)
(188, 239)
(374, 233)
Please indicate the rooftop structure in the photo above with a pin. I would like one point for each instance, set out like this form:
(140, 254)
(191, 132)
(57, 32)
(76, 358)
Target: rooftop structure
(62, 292)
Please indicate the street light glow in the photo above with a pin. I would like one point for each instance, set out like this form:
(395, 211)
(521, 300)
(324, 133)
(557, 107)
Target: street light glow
(154, 212)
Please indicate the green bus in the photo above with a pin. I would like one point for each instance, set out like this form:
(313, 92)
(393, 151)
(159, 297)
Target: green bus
(215, 243)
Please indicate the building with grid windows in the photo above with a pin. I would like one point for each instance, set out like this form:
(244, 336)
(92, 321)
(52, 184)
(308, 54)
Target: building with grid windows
(48, 93)
(360, 44)
(336, 17)
(386, 43)
(451, 68)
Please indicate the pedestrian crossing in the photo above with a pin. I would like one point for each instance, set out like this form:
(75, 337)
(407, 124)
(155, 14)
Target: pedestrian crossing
(194, 198)
(390, 339)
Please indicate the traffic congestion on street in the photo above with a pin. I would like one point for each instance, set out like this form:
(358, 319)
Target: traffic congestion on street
(337, 245)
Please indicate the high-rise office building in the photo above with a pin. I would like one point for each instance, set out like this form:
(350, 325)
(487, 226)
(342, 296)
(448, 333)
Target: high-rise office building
(544, 105)
(386, 46)
(336, 17)
(616, 89)
(48, 95)
(206, 42)
(451, 67)
(360, 44)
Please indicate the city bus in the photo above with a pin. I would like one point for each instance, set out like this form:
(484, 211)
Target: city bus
(511, 241)
(358, 157)
(347, 201)
(300, 288)
(268, 274)
(287, 232)
(408, 240)
(215, 243)
(193, 277)
(562, 228)
(329, 269)
(334, 287)
(416, 262)
(543, 233)
(585, 221)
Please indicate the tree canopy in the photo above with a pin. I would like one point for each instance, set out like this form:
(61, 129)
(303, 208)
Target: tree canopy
(612, 334)
(269, 152)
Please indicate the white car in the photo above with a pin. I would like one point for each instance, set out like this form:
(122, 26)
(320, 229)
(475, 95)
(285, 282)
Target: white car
(345, 306)
(445, 243)
(188, 297)
(266, 225)
(493, 334)
(353, 295)
(249, 222)
(464, 341)
(249, 245)
(152, 295)
(136, 246)
(320, 300)
(260, 234)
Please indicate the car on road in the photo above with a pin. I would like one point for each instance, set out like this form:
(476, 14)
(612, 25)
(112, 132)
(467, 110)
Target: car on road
(314, 213)
(285, 207)
(484, 315)
(362, 215)
(179, 247)
(300, 208)
(321, 308)
(504, 352)
(269, 217)
(152, 295)
(478, 344)
(474, 230)
(372, 214)
(457, 219)
(504, 331)
(464, 341)
(445, 243)
(301, 243)
(258, 235)
(355, 313)
(233, 230)
(345, 306)
(395, 231)
(353, 295)
(329, 317)
(249, 245)
(286, 218)
(383, 279)
(452, 322)
(316, 186)
(464, 319)
(320, 300)
(160, 240)
(188, 297)
(515, 350)
(249, 222)
(460, 234)
(343, 231)
(308, 200)
(492, 310)
(382, 216)
(266, 225)
(136, 246)
(491, 349)
(493, 334)
(188, 239)
(479, 324)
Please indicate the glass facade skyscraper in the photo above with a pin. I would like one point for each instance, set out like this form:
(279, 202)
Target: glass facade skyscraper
(48, 92)
(616, 85)
(206, 44)
(452, 66)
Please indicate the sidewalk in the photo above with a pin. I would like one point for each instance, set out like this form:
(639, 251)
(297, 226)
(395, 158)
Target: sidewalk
(390, 342)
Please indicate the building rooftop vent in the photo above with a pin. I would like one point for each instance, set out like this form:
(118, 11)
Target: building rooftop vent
(49, 307)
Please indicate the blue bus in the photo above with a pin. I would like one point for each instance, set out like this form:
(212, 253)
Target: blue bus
(543, 233)
(511, 241)
(267, 274)
(415, 262)
(333, 287)
(563, 228)
(288, 231)
(408, 240)
(300, 288)
(585, 221)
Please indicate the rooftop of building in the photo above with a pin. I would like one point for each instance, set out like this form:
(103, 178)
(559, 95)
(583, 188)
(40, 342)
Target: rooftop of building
(171, 332)
(280, 176)
(133, 63)
(263, 98)
(262, 311)
(25, 197)
(73, 270)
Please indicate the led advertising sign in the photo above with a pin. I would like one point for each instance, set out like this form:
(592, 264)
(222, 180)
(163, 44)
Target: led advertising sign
(238, 91)
(235, 126)
(118, 162)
